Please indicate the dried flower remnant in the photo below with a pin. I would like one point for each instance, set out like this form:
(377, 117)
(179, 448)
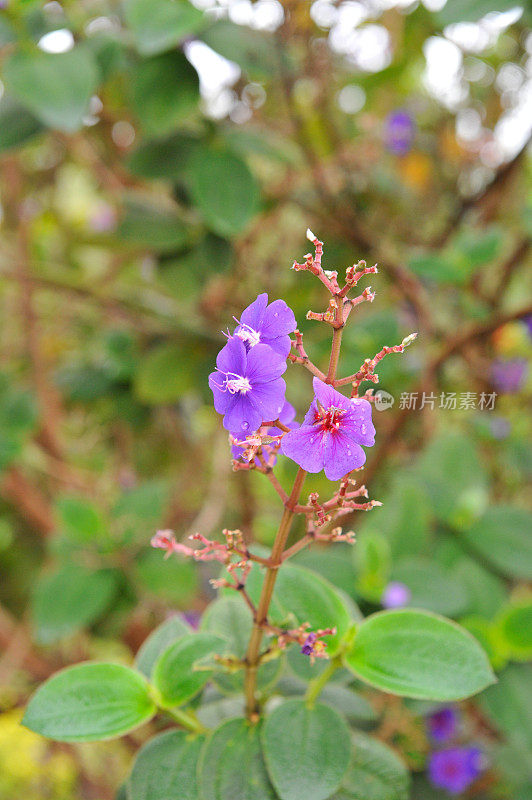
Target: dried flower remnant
(332, 433)
(247, 385)
(241, 448)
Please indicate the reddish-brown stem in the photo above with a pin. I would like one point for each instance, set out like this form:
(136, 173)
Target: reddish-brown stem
(261, 616)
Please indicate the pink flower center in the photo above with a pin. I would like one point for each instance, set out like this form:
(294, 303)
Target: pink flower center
(329, 419)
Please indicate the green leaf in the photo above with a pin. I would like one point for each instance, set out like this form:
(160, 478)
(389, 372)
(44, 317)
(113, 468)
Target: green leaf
(163, 159)
(372, 560)
(17, 126)
(145, 502)
(226, 205)
(88, 702)
(515, 627)
(213, 713)
(80, 519)
(253, 51)
(158, 641)
(304, 596)
(503, 538)
(175, 580)
(418, 654)
(307, 750)
(148, 225)
(185, 667)
(431, 586)
(161, 378)
(165, 768)
(165, 92)
(439, 268)
(508, 704)
(375, 773)
(230, 618)
(232, 766)
(69, 599)
(55, 87)
(458, 11)
(353, 705)
(486, 592)
(455, 479)
(162, 25)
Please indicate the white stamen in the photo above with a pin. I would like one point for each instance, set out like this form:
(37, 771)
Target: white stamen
(238, 385)
(248, 335)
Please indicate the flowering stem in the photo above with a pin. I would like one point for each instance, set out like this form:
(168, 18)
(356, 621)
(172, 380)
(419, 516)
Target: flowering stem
(316, 686)
(261, 616)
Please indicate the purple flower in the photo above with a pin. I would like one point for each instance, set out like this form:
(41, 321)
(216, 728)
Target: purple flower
(456, 768)
(399, 132)
(396, 595)
(331, 434)
(192, 618)
(247, 386)
(261, 323)
(308, 645)
(286, 416)
(442, 724)
(509, 375)
(528, 322)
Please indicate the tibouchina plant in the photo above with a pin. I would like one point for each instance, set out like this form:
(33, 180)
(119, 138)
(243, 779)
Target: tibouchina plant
(262, 699)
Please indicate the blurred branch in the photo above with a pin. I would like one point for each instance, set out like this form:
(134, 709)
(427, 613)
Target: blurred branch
(508, 268)
(32, 505)
(47, 396)
(17, 649)
(494, 188)
(454, 346)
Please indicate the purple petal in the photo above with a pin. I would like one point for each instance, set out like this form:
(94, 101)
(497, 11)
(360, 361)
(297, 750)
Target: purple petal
(269, 398)
(281, 344)
(304, 446)
(232, 357)
(357, 424)
(341, 455)
(278, 320)
(263, 364)
(254, 313)
(330, 397)
(222, 399)
(242, 415)
(288, 413)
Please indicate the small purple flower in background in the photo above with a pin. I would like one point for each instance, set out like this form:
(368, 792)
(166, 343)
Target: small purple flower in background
(247, 386)
(286, 416)
(261, 323)
(443, 724)
(456, 768)
(509, 375)
(500, 427)
(528, 322)
(396, 595)
(332, 433)
(192, 618)
(399, 132)
(308, 645)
